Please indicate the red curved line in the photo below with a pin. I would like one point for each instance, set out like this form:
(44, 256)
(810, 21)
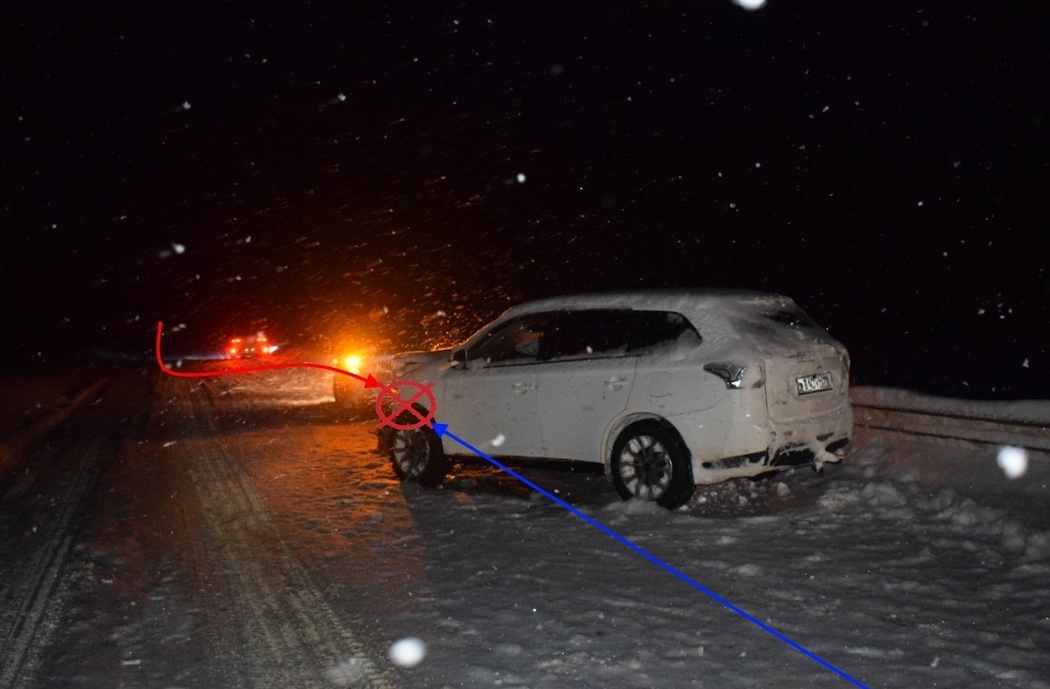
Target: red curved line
(230, 371)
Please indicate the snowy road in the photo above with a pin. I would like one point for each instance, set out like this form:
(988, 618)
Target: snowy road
(177, 533)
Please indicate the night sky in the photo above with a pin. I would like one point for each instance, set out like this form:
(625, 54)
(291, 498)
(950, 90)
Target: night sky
(402, 172)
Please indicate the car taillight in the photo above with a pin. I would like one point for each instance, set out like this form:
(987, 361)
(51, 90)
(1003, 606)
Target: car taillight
(731, 374)
(738, 376)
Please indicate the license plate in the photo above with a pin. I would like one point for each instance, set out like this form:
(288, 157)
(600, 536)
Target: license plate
(813, 383)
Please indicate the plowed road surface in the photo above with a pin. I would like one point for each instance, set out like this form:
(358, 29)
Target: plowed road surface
(168, 530)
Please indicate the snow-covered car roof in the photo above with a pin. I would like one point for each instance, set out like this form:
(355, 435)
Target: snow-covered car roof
(766, 321)
(685, 301)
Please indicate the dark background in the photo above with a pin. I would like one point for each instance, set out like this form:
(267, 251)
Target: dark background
(351, 170)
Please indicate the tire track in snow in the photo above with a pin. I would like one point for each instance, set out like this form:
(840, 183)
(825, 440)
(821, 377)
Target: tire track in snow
(33, 581)
(287, 634)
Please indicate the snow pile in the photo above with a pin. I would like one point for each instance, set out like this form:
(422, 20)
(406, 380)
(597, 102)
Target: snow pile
(1025, 411)
(876, 571)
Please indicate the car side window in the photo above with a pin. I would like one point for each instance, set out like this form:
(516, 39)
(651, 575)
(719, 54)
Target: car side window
(590, 334)
(518, 341)
(655, 329)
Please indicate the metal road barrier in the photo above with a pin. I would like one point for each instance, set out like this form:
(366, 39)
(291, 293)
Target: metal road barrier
(1021, 424)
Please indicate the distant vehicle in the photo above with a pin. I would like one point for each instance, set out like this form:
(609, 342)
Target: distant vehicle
(249, 347)
(666, 389)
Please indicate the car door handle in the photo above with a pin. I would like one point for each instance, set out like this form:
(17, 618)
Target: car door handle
(616, 383)
(521, 388)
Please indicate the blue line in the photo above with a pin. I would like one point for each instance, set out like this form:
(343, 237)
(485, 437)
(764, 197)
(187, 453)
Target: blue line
(442, 430)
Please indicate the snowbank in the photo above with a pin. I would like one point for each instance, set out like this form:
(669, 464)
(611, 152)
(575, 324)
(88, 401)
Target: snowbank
(1026, 411)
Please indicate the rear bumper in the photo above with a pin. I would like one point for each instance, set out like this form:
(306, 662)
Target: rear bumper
(822, 438)
(760, 448)
(799, 455)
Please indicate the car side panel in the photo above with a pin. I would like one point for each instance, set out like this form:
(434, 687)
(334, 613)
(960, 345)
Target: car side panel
(715, 422)
(579, 398)
(493, 408)
(736, 426)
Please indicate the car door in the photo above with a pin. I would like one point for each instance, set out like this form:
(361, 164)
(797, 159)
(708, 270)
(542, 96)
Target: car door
(490, 400)
(585, 381)
(669, 379)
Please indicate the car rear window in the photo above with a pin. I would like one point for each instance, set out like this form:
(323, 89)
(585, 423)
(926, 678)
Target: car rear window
(770, 323)
(604, 333)
(655, 329)
(585, 334)
(796, 318)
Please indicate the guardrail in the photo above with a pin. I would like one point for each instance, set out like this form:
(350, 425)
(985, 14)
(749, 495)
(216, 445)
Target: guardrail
(1020, 424)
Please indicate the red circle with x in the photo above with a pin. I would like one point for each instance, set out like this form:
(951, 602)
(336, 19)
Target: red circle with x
(400, 404)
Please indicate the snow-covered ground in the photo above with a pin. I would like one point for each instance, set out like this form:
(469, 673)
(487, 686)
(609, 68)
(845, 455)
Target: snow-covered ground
(918, 563)
(894, 571)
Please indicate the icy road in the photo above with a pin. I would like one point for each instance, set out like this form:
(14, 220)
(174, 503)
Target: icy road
(162, 532)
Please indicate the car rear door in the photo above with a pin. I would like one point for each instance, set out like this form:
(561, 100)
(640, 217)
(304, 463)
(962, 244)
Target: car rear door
(584, 381)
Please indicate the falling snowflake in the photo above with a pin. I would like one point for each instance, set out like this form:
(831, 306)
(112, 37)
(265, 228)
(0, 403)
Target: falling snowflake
(408, 652)
(1013, 461)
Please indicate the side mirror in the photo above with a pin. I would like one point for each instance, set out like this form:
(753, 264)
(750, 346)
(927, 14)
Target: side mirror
(458, 360)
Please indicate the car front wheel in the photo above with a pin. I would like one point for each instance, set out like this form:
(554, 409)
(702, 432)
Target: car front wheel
(650, 462)
(416, 455)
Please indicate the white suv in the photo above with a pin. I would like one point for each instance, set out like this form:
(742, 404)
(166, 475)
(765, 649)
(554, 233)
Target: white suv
(667, 389)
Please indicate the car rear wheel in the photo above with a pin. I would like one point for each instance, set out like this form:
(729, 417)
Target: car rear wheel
(416, 453)
(650, 462)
